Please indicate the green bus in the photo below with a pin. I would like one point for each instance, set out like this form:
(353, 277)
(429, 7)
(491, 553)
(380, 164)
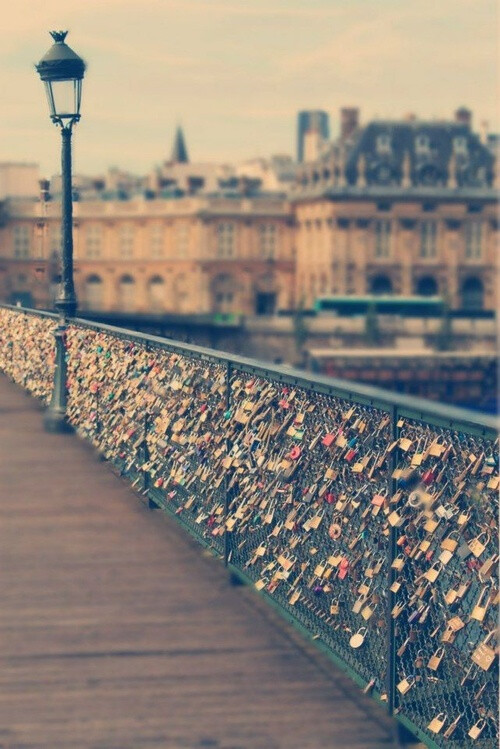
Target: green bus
(405, 306)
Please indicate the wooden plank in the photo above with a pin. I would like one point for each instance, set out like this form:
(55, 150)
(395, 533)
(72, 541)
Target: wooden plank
(117, 632)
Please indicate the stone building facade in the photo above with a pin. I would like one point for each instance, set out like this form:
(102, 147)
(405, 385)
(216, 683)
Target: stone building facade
(400, 208)
(199, 254)
(403, 207)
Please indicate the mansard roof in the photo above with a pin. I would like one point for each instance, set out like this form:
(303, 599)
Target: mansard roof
(386, 156)
(432, 148)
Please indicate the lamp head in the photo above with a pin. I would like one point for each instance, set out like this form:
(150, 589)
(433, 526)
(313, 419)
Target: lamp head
(62, 71)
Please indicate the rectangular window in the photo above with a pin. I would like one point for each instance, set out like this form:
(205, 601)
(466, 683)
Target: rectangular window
(55, 240)
(225, 240)
(267, 241)
(156, 238)
(473, 240)
(428, 234)
(93, 240)
(383, 143)
(382, 239)
(22, 241)
(182, 240)
(126, 241)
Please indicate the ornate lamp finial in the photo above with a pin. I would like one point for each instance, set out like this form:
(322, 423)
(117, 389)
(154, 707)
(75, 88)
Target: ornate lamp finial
(361, 182)
(452, 172)
(406, 171)
(58, 36)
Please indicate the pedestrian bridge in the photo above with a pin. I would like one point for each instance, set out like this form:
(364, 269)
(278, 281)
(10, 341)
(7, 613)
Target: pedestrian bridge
(116, 631)
(367, 521)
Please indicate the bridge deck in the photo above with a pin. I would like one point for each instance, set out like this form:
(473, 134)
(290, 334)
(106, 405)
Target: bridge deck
(116, 632)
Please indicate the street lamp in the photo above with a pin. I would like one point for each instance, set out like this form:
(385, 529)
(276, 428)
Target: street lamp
(62, 71)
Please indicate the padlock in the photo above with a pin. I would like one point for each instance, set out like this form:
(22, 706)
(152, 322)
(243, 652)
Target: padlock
(395, 519)
(419, 659)
(433, 572)
(398, 563)
(451, 728)
(435, 659)
(481, 606)
(484, 655)
(358, 604)
(488, 566)
(437, 723)
(367, 612)
(445, 557)
(450, 543)
(478, 545)
(477, 729)
(406, 684)
(334, 607)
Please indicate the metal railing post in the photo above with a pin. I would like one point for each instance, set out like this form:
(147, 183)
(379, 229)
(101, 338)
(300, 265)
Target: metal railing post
(226, 480)
(391, 575)
(55, 418)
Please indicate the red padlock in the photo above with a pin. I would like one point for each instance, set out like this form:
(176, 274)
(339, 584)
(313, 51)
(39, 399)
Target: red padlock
(350, 455)
(428, 477)
(343, 568)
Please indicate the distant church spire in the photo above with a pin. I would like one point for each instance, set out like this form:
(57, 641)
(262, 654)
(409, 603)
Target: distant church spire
(179, 150)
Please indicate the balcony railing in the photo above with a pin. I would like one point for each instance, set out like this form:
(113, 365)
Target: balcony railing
(370, 520)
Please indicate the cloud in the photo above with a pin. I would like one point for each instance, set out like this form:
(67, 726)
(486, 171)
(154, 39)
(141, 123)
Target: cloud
(235, 72)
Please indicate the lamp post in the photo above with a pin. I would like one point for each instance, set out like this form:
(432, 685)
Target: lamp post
(62, 71)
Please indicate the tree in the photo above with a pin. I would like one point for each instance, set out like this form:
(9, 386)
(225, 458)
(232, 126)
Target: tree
(444, 334)
(300, 329)
(372, 331)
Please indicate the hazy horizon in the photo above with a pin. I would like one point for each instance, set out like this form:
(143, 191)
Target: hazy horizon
(234, 74)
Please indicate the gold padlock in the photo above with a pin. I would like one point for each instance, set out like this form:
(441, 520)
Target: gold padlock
(437, 723)
(406, 684)
(435, 659)
(477, 729)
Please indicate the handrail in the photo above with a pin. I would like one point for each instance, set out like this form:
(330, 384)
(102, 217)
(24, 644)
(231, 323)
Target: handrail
(411, 406)
(357, 392)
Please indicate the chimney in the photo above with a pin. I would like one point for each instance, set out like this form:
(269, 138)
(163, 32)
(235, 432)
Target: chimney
(464, 117)
(483, 133)
(44, 185)
(349, 122)
(312, 145)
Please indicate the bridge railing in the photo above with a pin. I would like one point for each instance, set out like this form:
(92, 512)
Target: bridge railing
(370, 520)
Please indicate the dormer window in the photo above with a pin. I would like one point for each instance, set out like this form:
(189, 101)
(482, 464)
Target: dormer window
(383, 143)
(460, 145)
(422, 144)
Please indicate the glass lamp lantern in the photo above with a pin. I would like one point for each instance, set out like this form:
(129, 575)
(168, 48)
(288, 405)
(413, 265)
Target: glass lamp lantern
(62, 71)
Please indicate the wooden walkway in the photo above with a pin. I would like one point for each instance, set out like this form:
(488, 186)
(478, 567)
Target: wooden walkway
(116, 632)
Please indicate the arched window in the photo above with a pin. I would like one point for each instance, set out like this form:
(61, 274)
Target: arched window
(93, 292)
(426, 286)
(266, 294)
(156, 294)
(472, 293)
(126, 293)
(223, 294)
(381, 285)
(55, 282)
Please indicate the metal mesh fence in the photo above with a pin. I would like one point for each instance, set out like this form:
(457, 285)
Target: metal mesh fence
(308, 484)
(27, 350)
(370, 527)
(159, 417)
(447, 583)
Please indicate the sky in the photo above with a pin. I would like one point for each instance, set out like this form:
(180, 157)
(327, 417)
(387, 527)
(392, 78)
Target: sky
(234, 73)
